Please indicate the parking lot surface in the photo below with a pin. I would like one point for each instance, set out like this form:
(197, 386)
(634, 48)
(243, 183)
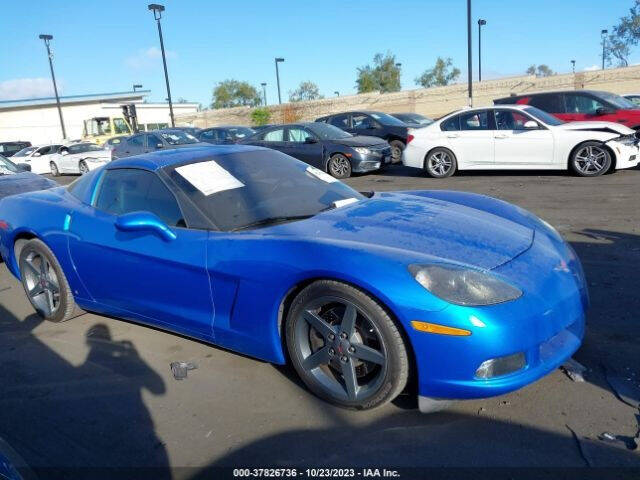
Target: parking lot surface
(97, 391)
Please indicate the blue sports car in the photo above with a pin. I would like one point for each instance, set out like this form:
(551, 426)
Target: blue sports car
(252, 250)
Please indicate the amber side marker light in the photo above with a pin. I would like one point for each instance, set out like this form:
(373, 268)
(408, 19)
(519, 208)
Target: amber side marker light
(439, 329)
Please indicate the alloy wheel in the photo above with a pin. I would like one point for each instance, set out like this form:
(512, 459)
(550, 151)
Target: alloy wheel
(341, 348)
(83, 168)
(339, 166)
(42, 283)
(590, 160)
(440, 163)
(396, 153)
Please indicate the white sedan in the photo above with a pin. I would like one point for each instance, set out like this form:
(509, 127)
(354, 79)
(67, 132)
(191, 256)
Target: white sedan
(38, 157)
(78, 158)
(519, 137)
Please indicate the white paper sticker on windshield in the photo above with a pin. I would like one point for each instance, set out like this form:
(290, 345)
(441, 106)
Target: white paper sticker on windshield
(209, 177)
(325, 177)
(346, 201)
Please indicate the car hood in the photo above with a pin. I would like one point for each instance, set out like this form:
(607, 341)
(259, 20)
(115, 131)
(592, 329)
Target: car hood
(359, 141)
(610, 127)
(424, 228)
(23, 182)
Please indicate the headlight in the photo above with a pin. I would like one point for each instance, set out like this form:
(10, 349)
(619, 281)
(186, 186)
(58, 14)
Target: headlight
(362, 150)
(463, 286)
(629, 140)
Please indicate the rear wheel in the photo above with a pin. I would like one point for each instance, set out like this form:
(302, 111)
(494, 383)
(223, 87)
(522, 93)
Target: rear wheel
(590, 159)
(440, 163)
(339, 166)
(54, 169)
(345, 347)
(45, 284)
(83, 167)
(397, 147)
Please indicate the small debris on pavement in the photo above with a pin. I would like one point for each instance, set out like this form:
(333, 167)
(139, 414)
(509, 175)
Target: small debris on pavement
(574, 370)
(629, 443)
(626, 389)
(180, 369)
(481, 410)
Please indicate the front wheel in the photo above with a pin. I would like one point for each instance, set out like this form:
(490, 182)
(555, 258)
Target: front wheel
(339, 166)
(590, 159)
(83, 167)
(440, 163)
(54, 169)
(345, 346)
(397, 147)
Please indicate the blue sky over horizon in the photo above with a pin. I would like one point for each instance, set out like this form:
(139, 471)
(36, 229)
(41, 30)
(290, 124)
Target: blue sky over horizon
(104, 47)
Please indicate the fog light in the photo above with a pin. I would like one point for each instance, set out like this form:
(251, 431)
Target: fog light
(495, 367)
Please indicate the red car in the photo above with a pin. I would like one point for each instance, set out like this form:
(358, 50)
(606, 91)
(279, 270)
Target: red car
(580, 105)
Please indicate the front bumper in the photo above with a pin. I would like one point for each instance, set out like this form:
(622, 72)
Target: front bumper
(627, 156)
(368, 162)
(546, 324)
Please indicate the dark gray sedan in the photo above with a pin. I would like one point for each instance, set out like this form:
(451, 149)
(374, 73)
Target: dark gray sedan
(145, 142)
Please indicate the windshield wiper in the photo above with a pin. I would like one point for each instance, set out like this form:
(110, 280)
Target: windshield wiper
(271, 221)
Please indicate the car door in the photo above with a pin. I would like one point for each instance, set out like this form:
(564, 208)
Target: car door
(133, 145)
(68, 159)
(209, 136)
(159, 281)
(274, 139)
(299, 147)
(516, 145)
(152, 143)
(473, 142)
(342, 121)
(40, 159)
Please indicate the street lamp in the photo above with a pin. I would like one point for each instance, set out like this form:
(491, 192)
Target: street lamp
(157, 15)
(573, 66)
(136, 86)
(603, 34)
(278, 60)
(47, 39)
(337, 93)
(469, 59)
(264, 93)
(481, 22)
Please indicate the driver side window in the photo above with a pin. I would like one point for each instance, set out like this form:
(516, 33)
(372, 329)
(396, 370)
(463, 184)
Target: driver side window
(274, 135)
(582, 104)
(129, 190)
(299, 135)
(361, 121)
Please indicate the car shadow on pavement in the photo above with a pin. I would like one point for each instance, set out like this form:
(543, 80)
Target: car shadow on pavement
(82, 421)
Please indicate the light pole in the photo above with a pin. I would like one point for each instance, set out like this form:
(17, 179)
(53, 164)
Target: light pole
(469, 59)
(264, 93)
(278, 60)
(157, 15)
(481, 22)
(47, 39)
(337, 93)
(603, 34)
(136, 86)
(573, 66)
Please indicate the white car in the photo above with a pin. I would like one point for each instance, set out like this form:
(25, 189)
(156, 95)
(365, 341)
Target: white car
(38, 157)
(78, 158)
(519, 137)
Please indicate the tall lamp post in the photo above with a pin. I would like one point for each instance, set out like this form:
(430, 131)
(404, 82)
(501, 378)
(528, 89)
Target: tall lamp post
(469, 59)
(47, 39)
(573, 66)
(278, 60)
(337, 93)
(481, 22)
(264, 93)
(603, 33)
(137, 86)
(157, 15)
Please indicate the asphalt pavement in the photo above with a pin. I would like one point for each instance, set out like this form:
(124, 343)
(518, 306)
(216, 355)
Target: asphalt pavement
(98, 392)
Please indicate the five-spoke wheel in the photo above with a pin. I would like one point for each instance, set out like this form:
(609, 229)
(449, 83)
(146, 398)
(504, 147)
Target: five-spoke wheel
(440, 163)
(345, 346)
(590, 159)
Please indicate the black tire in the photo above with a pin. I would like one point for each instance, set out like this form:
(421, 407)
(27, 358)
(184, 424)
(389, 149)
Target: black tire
(374, 352)
(339, 166)
(58, 307)
(83, 167)
(397, 146)
(54, 169)
(440, 163)
(590, 159)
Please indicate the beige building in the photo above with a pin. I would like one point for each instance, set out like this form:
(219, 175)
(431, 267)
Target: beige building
(36, 120)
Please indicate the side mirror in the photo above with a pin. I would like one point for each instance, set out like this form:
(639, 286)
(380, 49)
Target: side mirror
(64, 152)
(37, 154)
(24, 167)
(310, 140)
(531, 125)
(144, 222)
(604, 111)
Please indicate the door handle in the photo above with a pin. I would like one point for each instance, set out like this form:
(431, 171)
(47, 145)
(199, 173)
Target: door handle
(501, 135)
(453, 135)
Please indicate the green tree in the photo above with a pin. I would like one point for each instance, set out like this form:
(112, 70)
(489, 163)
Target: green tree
(305, 91)
(442, 73)
(233, 93)
(540, 70)
(260, 116)
(624, 35)
(382, 76)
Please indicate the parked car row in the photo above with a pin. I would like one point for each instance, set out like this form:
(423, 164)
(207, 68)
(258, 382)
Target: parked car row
(74, 158)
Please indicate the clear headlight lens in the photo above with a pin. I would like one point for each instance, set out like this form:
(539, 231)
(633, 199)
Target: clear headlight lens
(463, 286)
(362, 150)
(629, 140)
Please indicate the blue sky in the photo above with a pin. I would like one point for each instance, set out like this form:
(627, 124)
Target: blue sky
(108, 46)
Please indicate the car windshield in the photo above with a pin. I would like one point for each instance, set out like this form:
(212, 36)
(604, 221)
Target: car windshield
(238, 191)
(7, 167)
(544, 117)
(385, 119)
(25, 152)
(177, 137)
(239, 133)
(617, 100)
(328, 132)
